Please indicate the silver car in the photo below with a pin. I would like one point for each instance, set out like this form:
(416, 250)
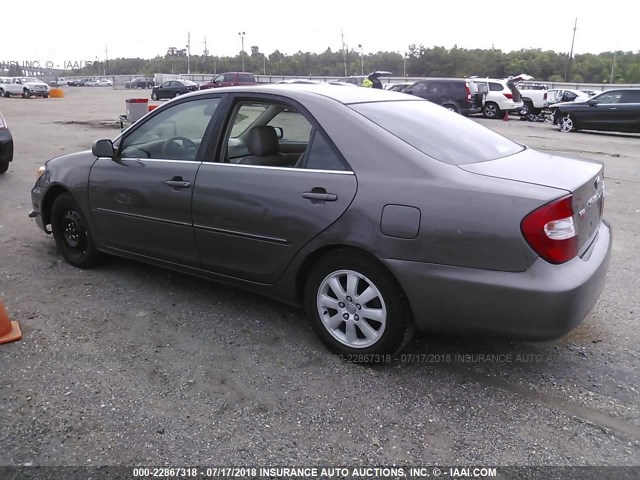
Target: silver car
(379, 212)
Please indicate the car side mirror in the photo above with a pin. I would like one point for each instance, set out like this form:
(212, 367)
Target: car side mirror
(593, 103)
(103, 148)
(279, 132)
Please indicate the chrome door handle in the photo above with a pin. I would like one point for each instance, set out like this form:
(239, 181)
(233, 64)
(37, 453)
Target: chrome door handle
(178, 183)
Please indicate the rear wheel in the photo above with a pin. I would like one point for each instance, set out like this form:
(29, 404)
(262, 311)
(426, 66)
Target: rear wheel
(527, 109)
(71, 233)
(451, 107)
(356, 307)
(491, 110)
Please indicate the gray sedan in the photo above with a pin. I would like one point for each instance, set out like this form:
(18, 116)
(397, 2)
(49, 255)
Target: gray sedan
(379, 212)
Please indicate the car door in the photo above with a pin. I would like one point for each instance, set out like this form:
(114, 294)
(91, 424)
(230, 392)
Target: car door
(630, 110)
(141, 199)
(605, 113)
(250, 220)
(163, 91)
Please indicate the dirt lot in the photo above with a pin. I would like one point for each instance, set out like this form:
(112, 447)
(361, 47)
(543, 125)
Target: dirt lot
(129, 364)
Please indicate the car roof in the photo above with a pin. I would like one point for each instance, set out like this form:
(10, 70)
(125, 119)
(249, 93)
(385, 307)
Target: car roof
(301, 91)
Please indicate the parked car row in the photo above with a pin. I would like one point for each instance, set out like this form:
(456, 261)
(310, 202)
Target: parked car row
(139, 82)
(494, 98)
(90, 82)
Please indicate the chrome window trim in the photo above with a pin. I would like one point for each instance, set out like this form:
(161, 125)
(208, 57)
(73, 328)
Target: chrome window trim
(287, 169)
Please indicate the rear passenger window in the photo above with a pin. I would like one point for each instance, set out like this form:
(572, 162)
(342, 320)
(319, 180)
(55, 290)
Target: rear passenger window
(321, 156)
(631, 96)
(495, 87)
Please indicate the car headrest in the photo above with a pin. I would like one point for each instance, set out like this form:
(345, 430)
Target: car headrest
(263, 140)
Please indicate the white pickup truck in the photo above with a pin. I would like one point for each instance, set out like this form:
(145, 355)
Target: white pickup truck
(25, 86)
(534, 99)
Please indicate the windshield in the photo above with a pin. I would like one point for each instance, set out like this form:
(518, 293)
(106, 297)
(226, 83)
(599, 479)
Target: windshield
(437, 132)
(29, 80)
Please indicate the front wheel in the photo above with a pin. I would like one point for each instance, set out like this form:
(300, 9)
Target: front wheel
(356, 307)
(4, 166)
(154, 96)
(177, 94)
(26, 93)
(567, 123)
(71, 233)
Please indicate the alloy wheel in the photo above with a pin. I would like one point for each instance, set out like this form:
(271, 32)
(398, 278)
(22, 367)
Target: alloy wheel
(351, 308)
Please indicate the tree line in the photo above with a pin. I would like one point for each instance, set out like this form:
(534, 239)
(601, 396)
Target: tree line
(419, 61)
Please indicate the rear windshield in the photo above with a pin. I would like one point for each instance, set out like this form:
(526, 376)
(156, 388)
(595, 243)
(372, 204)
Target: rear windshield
(437, 132)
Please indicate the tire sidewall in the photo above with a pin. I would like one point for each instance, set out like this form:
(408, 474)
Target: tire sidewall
(397, 322)
(87, 259)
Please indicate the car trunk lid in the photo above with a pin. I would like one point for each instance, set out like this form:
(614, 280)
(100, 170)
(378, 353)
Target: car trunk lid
(584, 179)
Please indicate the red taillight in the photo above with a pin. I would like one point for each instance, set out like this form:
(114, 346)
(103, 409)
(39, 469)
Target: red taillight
(544, 96)
(508, 95)
(551, 231)
(468, 91)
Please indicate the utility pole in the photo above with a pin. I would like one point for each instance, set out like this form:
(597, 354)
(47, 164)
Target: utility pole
(206, 53)
(567, 72)
(188, 53)
(344, 54)
(242, 34)
(361, 60)
(106, 60)
(613, 67)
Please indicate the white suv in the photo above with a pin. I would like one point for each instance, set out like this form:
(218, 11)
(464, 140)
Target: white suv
(498, 97)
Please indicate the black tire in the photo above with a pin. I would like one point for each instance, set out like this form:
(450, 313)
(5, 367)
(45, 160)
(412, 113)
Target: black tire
(45, 96)
(71, 233)
(451, 107)
(388, 305)
(154, 96)
(26, 93)
(4, 166)
(177, 94)
(491, 110)
(7, 94)
(2, 92)
(527, 109)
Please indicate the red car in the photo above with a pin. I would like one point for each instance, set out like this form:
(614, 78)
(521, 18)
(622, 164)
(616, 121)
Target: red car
(230, 79)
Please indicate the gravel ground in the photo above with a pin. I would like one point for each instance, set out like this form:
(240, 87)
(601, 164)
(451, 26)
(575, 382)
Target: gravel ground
(129, 364)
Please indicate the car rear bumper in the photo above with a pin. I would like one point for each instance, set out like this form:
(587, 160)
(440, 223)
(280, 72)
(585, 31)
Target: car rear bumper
(543, 302)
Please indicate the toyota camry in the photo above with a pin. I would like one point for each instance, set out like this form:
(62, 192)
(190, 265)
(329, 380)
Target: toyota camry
(379, 212)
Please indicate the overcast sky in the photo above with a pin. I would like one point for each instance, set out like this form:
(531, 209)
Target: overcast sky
(80, 31)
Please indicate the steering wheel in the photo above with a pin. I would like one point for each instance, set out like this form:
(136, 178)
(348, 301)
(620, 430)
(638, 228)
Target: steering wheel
(178, 147)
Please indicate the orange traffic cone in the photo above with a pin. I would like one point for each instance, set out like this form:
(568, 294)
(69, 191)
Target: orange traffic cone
(9, 330)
